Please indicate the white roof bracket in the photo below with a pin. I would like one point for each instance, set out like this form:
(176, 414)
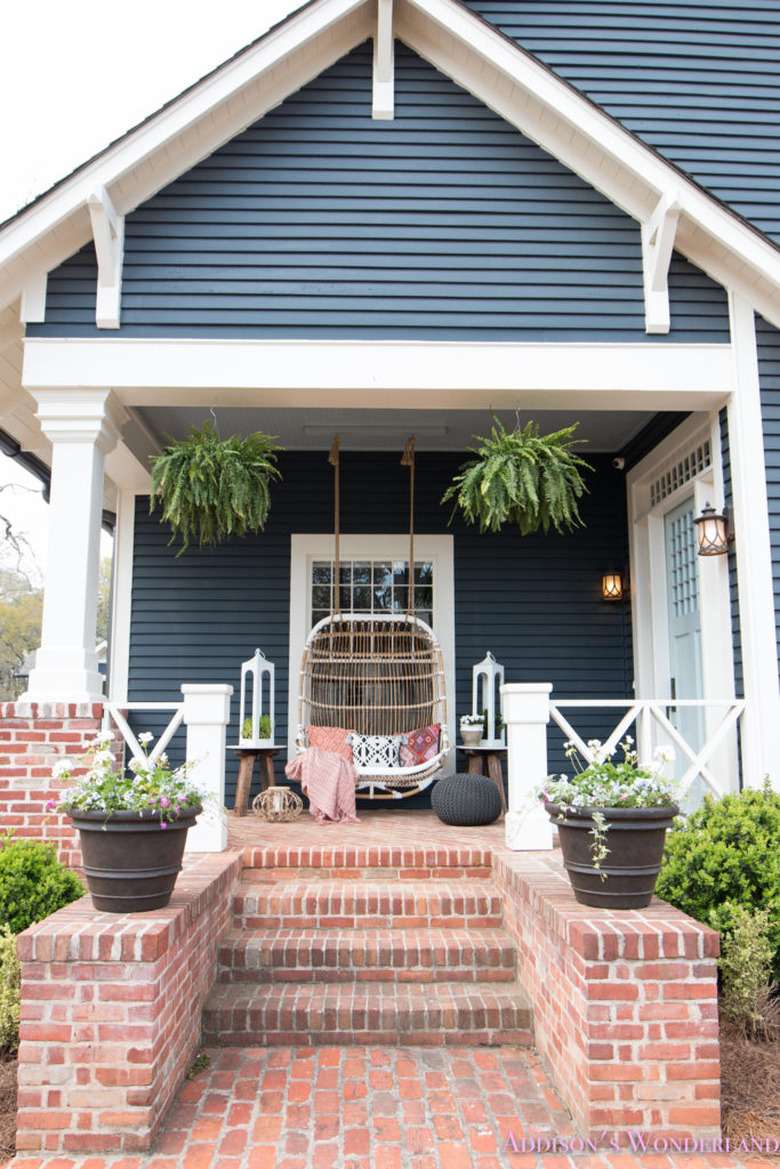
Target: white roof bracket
(32, 310)
(384, 63)
(108, 231)
(657, 245)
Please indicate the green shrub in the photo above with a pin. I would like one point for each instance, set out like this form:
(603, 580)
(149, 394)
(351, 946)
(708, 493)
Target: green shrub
(33, 883)
(10, 989)
(728, 850)
(745, 960)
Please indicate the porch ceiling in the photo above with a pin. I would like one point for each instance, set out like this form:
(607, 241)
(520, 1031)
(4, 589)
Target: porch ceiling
(375, 430)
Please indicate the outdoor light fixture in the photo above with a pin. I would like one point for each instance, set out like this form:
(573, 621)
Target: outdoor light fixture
(612, 586)
(712, 532)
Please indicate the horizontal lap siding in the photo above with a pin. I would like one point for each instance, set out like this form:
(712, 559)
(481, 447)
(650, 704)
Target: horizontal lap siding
(699, 81)
(444, 223)
(769, 372)
(534, 602)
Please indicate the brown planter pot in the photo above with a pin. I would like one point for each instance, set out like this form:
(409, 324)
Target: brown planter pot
(635, 838)
(130, 862)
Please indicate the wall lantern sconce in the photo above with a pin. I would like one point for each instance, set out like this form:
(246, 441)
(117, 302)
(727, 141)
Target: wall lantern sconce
(612, 586)
(712, 532)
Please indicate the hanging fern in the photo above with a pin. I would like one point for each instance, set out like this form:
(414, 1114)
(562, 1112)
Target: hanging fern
(211, 489)
(521, 478)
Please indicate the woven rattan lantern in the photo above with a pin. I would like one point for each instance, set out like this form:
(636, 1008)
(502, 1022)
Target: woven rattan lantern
(256, 727)
(487, 680)
(277, 804)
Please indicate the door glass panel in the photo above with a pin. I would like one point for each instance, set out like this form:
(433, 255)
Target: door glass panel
(682, 588)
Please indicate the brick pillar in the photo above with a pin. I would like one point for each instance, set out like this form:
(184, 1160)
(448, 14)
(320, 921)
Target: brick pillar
(32, 737)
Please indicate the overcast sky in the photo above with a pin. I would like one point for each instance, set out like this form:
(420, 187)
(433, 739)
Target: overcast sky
(75, 75)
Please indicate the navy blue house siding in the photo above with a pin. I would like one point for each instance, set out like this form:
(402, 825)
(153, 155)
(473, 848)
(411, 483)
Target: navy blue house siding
(534, 602)
(769, 373)
(445, 223)
(698, 80)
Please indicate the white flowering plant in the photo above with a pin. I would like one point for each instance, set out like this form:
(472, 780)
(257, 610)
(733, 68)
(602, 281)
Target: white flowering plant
(149, 785)
(606, 782)
(609, 783)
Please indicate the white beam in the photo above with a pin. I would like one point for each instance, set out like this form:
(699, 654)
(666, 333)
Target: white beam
(108, 231)
(754, 556)
(33, 306)
(419, 375)
(657, 245)
(383, 107)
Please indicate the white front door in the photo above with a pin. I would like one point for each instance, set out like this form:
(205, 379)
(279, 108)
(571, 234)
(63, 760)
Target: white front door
(684, 621)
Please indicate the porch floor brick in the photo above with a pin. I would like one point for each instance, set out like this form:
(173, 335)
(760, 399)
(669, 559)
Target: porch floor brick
(373, 1108)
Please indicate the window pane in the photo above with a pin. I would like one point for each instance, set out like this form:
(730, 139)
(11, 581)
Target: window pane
(423, 572)
(320, 572)
(361, 599)
(361, 572)
(320, 596)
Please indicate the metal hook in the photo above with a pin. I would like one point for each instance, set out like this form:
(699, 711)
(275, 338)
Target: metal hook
(214, 416)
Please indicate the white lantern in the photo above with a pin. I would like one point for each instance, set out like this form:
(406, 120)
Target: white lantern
(256, 728)
(488, 678)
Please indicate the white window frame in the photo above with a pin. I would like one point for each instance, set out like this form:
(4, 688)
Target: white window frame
(305, 549)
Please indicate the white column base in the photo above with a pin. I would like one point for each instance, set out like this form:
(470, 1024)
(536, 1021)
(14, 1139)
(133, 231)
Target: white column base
(529, 830)
(206, 715)
(64, 674)
(526, 712)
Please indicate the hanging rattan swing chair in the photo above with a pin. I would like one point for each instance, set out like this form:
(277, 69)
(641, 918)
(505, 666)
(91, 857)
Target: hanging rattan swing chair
(378, 675)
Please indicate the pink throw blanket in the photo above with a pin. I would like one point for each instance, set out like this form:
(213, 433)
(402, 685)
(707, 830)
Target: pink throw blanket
(329, 782)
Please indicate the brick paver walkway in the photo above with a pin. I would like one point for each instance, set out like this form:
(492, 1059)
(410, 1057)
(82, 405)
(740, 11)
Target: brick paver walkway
(375, 1108)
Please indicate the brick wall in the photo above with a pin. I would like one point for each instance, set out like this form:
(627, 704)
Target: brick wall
(111, 1013)
(625, 1005)
(32, 737)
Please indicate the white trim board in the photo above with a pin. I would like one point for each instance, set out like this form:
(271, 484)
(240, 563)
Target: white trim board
(423, 374)
(306, 548)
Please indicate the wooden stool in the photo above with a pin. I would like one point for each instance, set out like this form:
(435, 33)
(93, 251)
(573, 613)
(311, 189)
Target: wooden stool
(477, 756)
(246, 766)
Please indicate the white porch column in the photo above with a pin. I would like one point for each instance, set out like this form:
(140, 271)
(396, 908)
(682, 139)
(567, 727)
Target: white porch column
(83, 426)
(754, 555)
(526, 712)
(206, 715)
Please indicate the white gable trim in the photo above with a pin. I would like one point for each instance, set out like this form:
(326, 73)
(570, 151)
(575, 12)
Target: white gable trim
(108, 231)
(172, 141)
(508, 79)
(563, 122)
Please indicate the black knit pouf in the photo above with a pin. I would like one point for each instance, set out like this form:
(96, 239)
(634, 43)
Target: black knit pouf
(466, 800)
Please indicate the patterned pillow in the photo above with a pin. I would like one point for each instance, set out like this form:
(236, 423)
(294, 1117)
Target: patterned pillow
(375, 750)
(420, 746)
(334, 739)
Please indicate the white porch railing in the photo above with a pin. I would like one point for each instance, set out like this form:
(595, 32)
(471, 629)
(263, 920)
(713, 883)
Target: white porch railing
(205, 712)
(528, 710)
(653, 727)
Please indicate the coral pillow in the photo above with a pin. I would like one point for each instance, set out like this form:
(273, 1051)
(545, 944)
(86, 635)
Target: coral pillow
(334, 739)
(420, 746)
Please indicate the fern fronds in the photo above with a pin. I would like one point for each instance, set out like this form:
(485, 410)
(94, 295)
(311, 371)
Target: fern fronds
(212, 489)
(521, 478)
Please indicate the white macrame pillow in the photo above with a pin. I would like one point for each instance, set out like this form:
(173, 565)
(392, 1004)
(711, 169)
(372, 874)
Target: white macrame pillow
(375, 750)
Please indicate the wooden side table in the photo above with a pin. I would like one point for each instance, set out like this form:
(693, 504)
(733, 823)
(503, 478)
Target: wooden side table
(246, 766)
(476, 757)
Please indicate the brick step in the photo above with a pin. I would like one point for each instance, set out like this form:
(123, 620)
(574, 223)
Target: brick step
(332, 905)
(368, 955)
(385, 862)
(443, 1014)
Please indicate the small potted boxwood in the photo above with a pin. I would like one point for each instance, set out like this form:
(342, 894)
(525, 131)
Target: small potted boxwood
(264, 736)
